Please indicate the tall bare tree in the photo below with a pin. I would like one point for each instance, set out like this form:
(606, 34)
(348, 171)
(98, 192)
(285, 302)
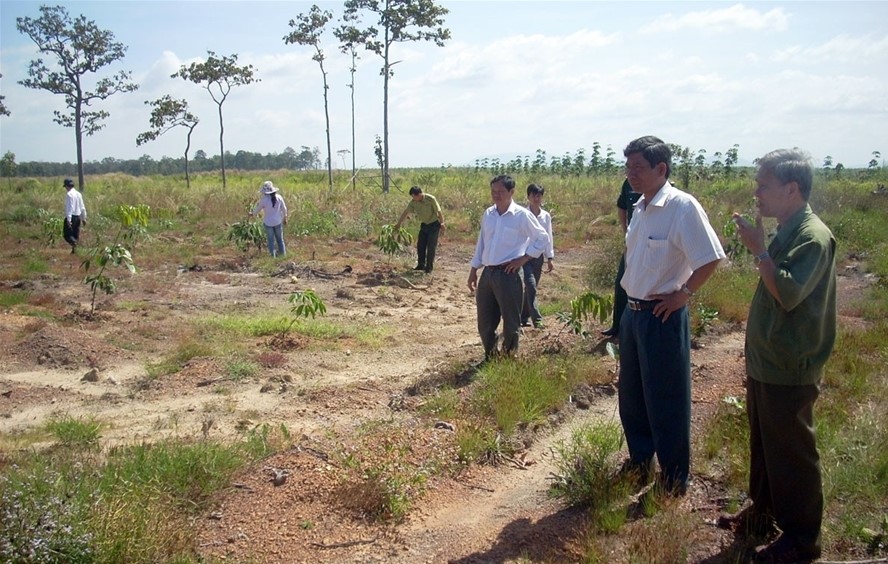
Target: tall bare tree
(80, 48)
(218, 75)
(168, 112)
(398, 21)
(349, 48)
(307, 30)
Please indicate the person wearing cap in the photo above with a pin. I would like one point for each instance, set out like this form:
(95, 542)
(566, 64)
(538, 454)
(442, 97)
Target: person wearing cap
(509, 237)
(671, 251)
(427, 210)
(274, 211)
(75, 214)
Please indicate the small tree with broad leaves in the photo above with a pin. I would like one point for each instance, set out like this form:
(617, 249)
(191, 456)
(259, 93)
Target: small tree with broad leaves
(131, 221)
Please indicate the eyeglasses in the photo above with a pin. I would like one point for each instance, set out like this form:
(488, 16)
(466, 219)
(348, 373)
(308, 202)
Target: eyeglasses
(637, 167)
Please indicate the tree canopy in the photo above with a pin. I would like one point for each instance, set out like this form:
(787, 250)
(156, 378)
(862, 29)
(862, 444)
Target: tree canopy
(168, 112)
(80, 48)
(218, 75)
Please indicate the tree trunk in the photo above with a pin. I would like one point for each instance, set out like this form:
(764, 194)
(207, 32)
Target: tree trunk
(385, 119)
(188, 148)
(354, 168)
(327, 118)
(78, 141)
(221, 146)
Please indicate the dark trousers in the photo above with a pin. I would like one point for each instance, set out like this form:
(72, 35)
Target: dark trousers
(620, 297)
(426, 244)
(531, 271)
(655, 392)
(499, 296)
(71, 231)
(784, 466)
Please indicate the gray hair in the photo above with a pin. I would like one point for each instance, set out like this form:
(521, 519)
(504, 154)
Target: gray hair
(790, 165)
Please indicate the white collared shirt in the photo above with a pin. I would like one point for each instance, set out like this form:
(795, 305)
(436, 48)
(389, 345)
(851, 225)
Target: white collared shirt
(273, 213)
(74, 205)
(668, 238)
(509, 236)
(545, 219)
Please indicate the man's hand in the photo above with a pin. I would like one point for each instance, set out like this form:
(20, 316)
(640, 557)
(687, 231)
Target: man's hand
(669, 303)
(473, 279)
(551, 266)
(516, 264)
(752, 236)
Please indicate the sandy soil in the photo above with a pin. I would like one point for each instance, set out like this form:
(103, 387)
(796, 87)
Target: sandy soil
(483, 514)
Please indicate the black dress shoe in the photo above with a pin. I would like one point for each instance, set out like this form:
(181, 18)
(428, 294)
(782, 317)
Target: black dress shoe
(748, 523)
(417, 267)
(612, 332)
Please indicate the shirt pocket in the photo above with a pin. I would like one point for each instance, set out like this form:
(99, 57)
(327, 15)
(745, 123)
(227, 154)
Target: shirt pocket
(655, 253)
(510, 235)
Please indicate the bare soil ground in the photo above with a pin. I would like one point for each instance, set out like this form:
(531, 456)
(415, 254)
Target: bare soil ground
(483, 514)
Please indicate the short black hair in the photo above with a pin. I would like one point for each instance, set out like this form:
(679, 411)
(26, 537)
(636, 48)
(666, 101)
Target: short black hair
(414, 190)
(535, 189)
(505, 180)
(653, 149)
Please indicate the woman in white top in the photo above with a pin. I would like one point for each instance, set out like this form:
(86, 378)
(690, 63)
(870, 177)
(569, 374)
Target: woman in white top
(275, 217)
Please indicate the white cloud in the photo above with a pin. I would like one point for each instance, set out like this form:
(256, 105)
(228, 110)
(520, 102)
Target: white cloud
(842, 48)
(734, 18)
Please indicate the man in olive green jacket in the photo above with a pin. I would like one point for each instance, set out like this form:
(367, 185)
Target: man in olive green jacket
(790, 334)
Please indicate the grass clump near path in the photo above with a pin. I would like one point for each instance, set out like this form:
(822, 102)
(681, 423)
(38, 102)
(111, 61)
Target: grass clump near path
(134, 503)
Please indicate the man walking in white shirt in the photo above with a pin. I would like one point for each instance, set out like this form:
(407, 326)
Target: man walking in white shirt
(75, 214)
(510, 236)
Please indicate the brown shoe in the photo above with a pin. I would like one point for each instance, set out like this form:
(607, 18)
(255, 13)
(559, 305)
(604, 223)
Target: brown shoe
(748, 523)
(786, 549)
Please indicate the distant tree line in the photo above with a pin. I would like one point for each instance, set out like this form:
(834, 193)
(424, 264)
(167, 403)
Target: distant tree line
(688, 165)
(305, 159)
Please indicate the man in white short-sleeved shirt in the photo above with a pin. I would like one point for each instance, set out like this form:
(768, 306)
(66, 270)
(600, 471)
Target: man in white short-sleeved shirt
(671, 250)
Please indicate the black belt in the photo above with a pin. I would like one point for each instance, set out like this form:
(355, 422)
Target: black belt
(497, 266)
(640, 305)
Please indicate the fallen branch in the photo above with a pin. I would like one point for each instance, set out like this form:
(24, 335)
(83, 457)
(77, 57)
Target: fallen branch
(209, 381)
(482, 488)
(342, 544)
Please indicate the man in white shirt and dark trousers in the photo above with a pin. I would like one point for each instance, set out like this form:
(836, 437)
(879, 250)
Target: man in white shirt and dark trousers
(75, 214)
(510, 236)
(671, 250)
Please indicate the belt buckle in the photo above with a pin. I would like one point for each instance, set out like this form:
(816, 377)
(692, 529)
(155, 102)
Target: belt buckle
(634, 305)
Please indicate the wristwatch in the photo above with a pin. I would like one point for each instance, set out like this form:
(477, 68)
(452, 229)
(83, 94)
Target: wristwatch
(759, 258)
(684, 288)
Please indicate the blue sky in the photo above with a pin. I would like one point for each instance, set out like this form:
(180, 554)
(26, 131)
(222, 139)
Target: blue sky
(515, 77)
